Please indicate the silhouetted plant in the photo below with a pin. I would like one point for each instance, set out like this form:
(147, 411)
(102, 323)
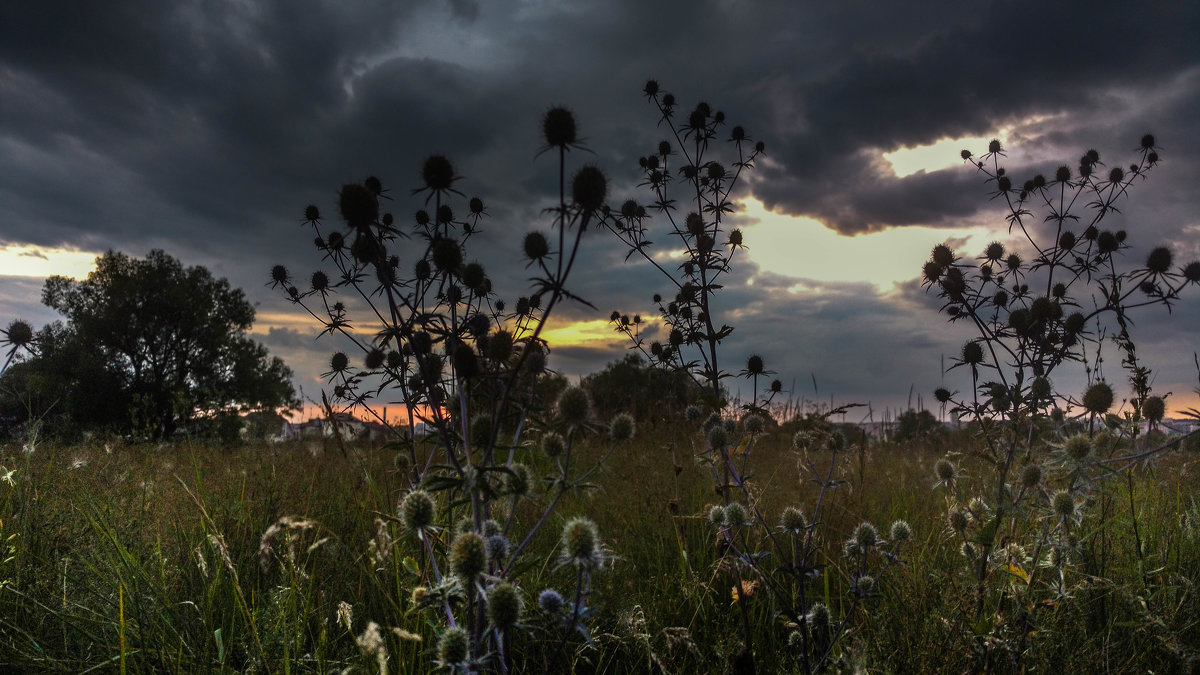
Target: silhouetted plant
(1050, 304)
(691, 177)
(466, 366)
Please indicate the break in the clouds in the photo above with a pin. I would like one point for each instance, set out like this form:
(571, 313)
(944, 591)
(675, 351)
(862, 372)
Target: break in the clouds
(204, 128)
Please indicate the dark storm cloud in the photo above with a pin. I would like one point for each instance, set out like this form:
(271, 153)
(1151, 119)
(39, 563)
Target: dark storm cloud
(204, 128)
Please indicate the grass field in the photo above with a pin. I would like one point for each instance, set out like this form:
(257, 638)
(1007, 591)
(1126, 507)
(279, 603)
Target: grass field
(165, 558)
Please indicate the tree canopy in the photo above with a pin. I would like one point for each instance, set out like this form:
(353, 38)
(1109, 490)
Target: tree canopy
(149, 346)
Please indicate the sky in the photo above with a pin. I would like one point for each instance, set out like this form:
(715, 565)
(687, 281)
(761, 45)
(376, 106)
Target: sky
(204, 127)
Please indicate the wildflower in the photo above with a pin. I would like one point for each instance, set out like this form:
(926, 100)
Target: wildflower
(945, 471)
(736, 515)
(417, 510)
(1031, 476)
(866, 535)
(621, 428)
(718, 437)
(358, 206)
(551, 601)
(553, 444)
(745, 589)
(504, 606)
(468, 556)
(900, 531)
(1078, 447)
(20, 333)
(517, 480)
(958, 520)
(754, 424)
(453, 647)
(558, 128)
(716, 515)
(574, 406)
(792, 520)
(1098, 398)
(1153, 408)
(581, 543)
(1063, 504)
(589, 188)
(536, 246)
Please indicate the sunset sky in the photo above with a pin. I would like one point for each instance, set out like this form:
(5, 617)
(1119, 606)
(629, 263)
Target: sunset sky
(205, 128)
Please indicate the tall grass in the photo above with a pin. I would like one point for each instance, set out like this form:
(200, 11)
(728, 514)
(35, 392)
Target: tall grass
(148, 558)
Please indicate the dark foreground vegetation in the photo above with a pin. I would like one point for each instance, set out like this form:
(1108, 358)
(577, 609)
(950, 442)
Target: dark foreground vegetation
(193, 558)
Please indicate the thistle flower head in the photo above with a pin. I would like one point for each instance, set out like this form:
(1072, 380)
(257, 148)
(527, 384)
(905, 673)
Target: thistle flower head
(453, 647)
(468, 556)
(19, 334)
(550, 601)
(1063, 504)
(736, 515)
(1078, 447)
(621, 428)
(581, 543)
(518, 481)
(1031, 476)
(358, 205)
(945, 471)
(866, 535)
(589, 188)
(754, 424)
(553, 444)
(1098, 398)
(958, 520)
(718, 437)
(504, 606)
(574, 406)
(1154, 408)
(792, 520)
(438, 173)
(942, 255)
(1159, 260)
(900, 531)
(558, 128)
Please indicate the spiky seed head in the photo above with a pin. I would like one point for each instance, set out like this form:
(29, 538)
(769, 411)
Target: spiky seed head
(945, 470)
(374, 359)
(438, 173)
(558, 128)
(1191, 272)
(466, 363)
(553, 444)
(1031, 476)
(994, 146)
(589, 188)
(792, 520)
(621, 428)
(505, 606)
(958, 520)
(1116, 175)
(1078, 447)
(900, 531)
(1107, 242)
(280, 274)
(754, 365)
(818, 617)
(1159, 260)
(965, 154)
(716, 515)
(468, 556)
(574, 406)
(932, 271)
(497, 547)
(942, 255)
(339, 362)
(754, 424)
(1004, 183)
(972, 353)
(418, 510)
(776, 386)
(692, 413)
(454, 646)
(866, 535)
(1147, 141)
(1000, 299)
(446, 254)
(1040, 389)
(718, 437)
(865, 584)
(358, 205)
(1063, 504)
(736, 515)
(994, 251)
(551, 601)
(735, 238)
(536, 246)
(942, 394)
(481, 430)
(19, 333)
(715, 171)
(518, 481)
(1154, 408)
(581, 541)
(1098, 398)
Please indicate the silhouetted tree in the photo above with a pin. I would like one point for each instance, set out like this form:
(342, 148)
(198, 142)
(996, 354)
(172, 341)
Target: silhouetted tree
(914, 424)
(631, 385)
(148, 346)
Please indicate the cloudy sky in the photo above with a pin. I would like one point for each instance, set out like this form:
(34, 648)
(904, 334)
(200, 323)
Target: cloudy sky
(205, 127)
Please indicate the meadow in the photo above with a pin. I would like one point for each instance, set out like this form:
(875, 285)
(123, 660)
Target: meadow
(186, 558)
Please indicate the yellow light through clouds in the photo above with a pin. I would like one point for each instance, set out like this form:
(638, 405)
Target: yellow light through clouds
(805, 248)
(35, 261)
(943, 154)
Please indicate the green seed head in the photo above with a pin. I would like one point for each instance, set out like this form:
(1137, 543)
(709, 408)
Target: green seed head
(553, 444)
(972, 353)
(581, 542)
(1154, 408)
(792, 520)
(574, 406)
(1098, 398)
(736, 515)
(866, 535)
(718, 437)
(958, 520)
(621, 428)
(1031, 476)
(900, 531)
(468, 556)
(418, 510)
(945, 470)
(453, 647)
(518, 482)
(1063, 504)
(505, 606)
(716, 515)
(1078, 447)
